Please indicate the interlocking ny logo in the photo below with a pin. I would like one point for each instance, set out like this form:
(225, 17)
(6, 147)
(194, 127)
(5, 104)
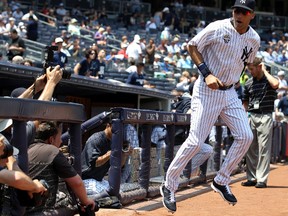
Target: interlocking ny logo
(242, 1)
(246, 54)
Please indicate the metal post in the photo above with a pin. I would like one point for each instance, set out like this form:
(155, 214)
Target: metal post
(169, 150)
(144, 173)
(115, 158)
(76, 145)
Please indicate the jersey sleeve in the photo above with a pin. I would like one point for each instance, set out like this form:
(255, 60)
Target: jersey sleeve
(204, 37)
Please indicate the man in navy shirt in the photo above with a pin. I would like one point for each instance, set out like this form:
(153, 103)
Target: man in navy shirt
(60, 58)
(137, 77)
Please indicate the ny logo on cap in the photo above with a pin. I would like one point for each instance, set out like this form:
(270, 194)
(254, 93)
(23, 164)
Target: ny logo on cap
(242, 1)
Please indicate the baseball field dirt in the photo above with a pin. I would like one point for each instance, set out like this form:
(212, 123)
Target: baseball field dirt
(201, 200)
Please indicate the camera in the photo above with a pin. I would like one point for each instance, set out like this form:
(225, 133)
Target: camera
(38, 198)
(7, 151)
(89, 211)
(49, 62)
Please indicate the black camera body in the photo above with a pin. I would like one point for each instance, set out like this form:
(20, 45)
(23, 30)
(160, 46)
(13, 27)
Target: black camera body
(49, 62)
(38, 198)
(89, 211)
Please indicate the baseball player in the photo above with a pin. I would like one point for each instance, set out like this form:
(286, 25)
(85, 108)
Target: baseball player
(220, 51)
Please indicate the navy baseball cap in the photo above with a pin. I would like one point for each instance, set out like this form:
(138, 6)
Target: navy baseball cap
(245, 4)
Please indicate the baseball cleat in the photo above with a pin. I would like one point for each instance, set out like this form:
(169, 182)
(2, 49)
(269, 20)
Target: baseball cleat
(225, 193)
(168, 199)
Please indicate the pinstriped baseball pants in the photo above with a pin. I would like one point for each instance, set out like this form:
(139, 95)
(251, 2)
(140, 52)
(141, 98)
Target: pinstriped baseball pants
(207, 105)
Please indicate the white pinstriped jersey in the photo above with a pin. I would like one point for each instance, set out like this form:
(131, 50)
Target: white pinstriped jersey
(229, 50)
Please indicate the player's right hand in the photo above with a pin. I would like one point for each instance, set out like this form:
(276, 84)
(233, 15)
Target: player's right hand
(213, 82)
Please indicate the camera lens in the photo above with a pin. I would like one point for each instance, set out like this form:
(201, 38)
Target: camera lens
(66, 73)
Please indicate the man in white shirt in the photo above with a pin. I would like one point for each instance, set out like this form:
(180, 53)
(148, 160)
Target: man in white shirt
(134, 49)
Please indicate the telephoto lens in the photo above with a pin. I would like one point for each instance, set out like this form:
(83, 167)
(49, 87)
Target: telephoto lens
(67, 71)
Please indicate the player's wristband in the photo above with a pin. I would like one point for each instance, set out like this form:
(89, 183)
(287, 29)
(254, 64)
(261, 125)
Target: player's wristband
(204, 69)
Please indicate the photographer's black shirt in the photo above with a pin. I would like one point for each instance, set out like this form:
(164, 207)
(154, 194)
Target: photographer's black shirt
(96, 146)
(48, 163)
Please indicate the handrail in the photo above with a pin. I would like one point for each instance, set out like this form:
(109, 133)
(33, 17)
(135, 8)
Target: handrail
(47, 16)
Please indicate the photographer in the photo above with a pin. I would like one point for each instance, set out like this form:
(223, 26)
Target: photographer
(47, 162)
(11, 175)
(96, 159)
(43, 85)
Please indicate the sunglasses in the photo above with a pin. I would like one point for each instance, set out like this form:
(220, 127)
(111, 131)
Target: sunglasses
(92, 53)
(242, 11)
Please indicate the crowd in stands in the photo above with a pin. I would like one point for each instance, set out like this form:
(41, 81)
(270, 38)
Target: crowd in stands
(161, 49)
(160, 42)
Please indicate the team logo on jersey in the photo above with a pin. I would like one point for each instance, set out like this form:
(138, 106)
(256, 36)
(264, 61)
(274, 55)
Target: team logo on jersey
(226, 38)
(246, 53)
(242, 1)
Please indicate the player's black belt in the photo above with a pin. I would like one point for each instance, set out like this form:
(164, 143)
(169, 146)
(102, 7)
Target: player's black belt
(223, 88)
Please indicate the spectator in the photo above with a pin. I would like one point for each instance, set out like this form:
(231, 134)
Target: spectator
(108, 33)
(3, 30)
(134, 49)
(150, 52)
(96, 157)
(26, 16)
(177, 57)
(184, 62)
(99, 37)
(132, 68)
(17, 60)
(173, 47)
(32, 29)
(281, 111)
(48, 163)
(122, 52)
(52, 17)
(165, 34)
(157, 62)
(267, 54)
(59, 57)
(75, 48)
(151, 26)
(258, 100)
(11, 24)
(162, 47)
(66, 19)
(73, 27)
(28, 62)
(167, 18)
(22, 30)
(282, 58)
(61, 11)
(111, 56)
(84, 67)
(124, 41)
(165, 66)
(138, 77)
(6, 14)
(16, 46)
(17, 14)
(99, 65)
(283, 86)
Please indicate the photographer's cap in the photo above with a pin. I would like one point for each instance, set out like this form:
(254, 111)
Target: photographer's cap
(245, 4)
(6, 142)
(5, 123)
(58, 40)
